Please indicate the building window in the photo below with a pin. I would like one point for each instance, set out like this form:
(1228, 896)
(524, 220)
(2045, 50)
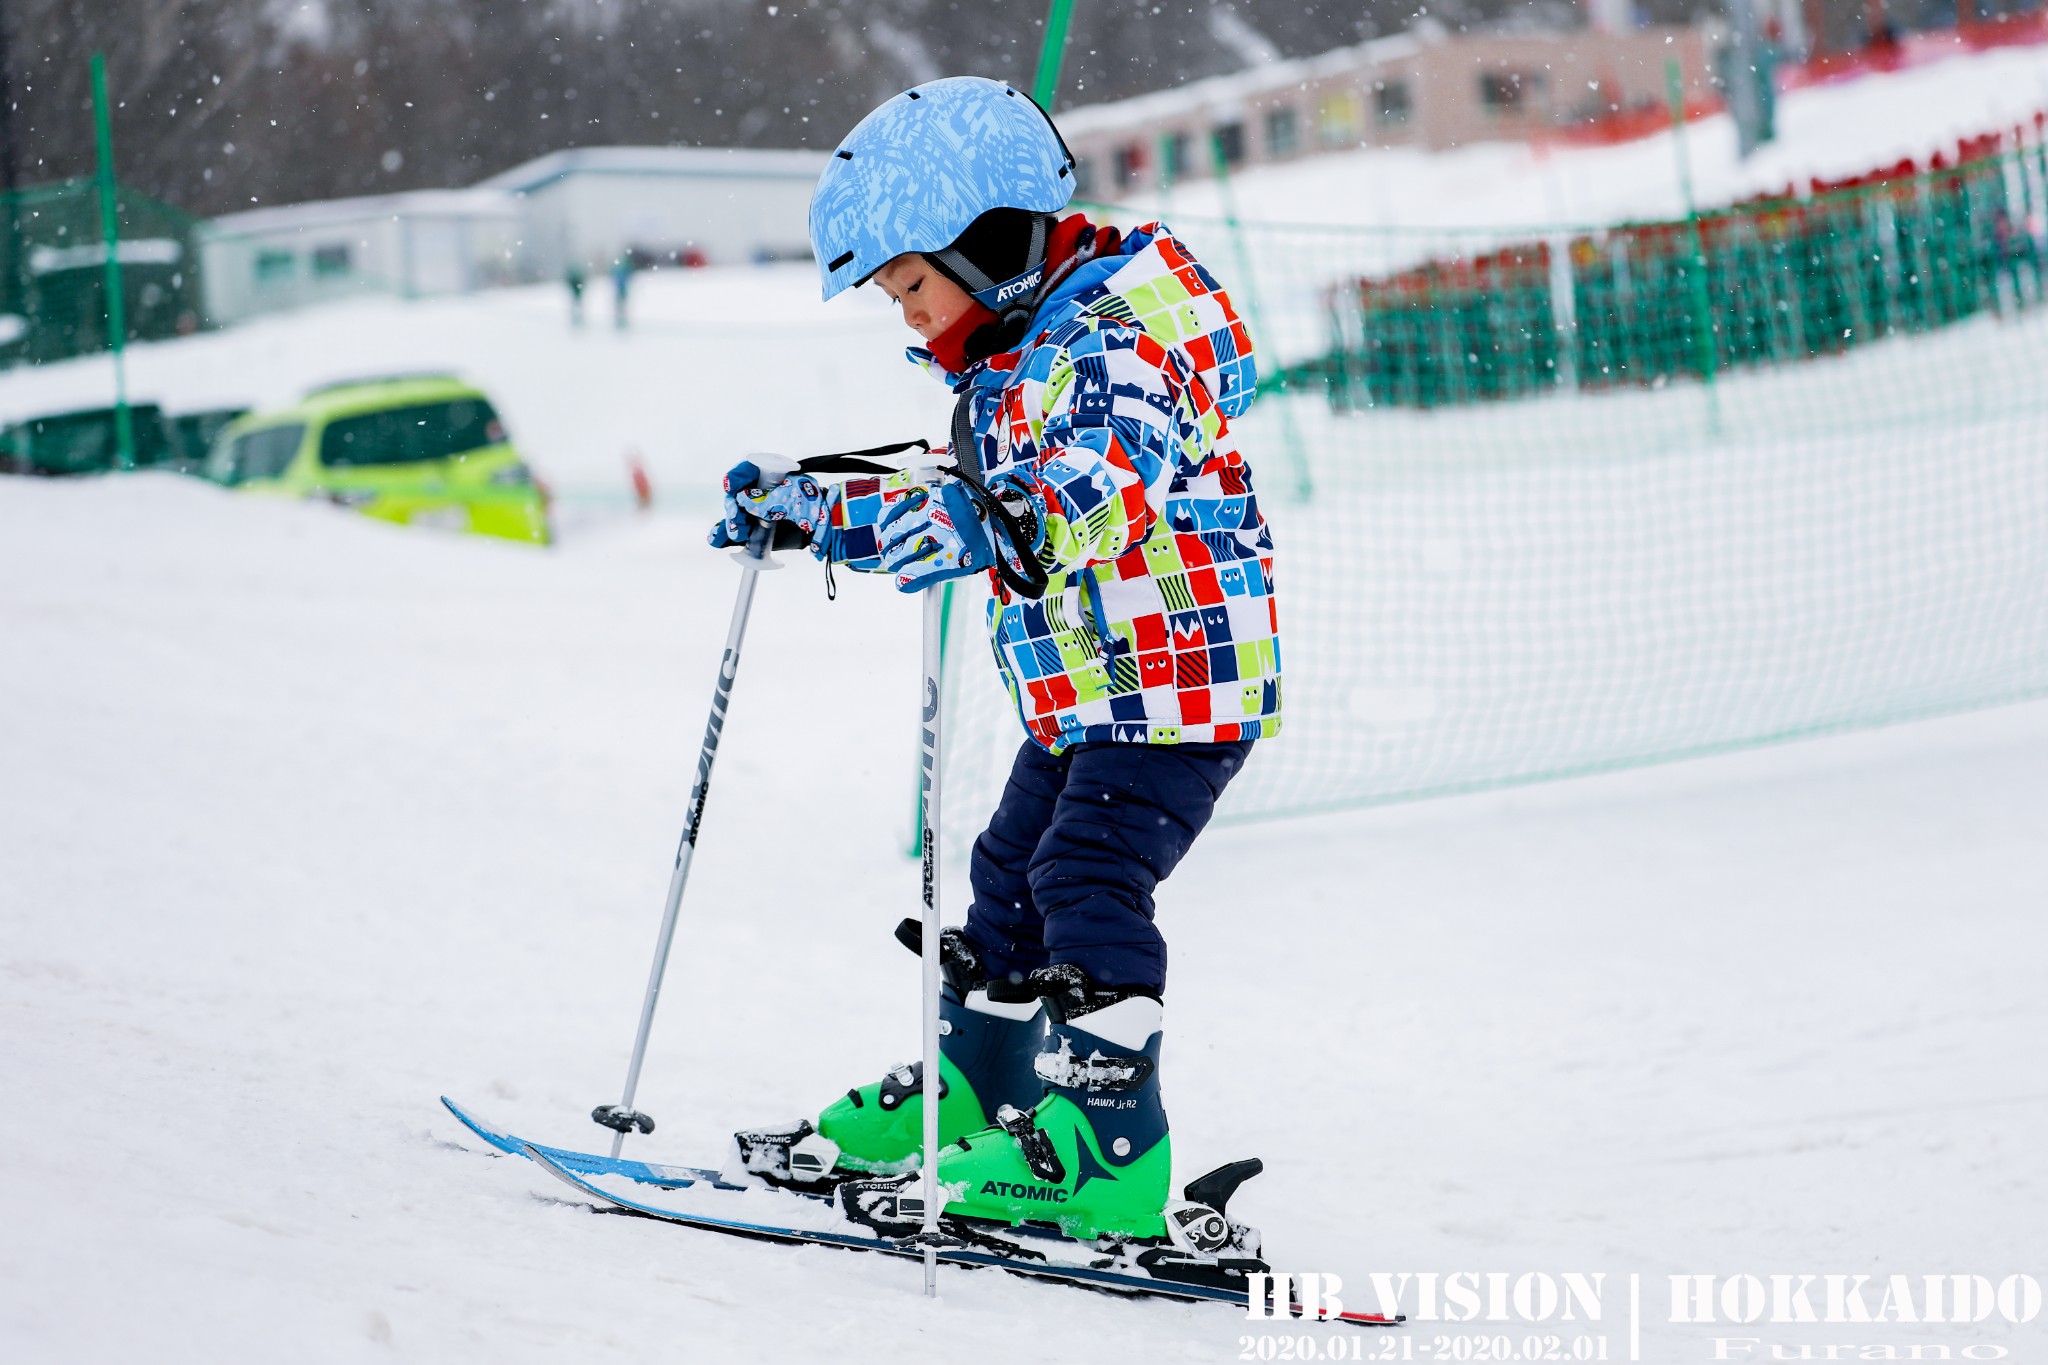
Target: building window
(1130, 163)
(1084, 175)
(329, 261)
(275, 267)
(1392, 104)
(1281, 136)
(1340, 119)
(1229, 143)
(1509, 92)
(1173, 157)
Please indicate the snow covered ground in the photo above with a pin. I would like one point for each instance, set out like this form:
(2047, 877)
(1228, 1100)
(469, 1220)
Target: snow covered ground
(311, 819)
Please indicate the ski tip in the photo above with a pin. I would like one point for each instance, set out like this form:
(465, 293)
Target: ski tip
(556, 1169)
(468, 1116)
(475, 1125)
(1373, 1319)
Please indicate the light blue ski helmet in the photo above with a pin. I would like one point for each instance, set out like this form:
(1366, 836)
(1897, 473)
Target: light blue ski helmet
(915, 172)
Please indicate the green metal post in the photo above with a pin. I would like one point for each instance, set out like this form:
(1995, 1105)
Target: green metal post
(1702, 307)
(1166, 173)
(13, 264)
(1044, 88)
(1047, 83)
(1248, 294)
(110, 236)
(2041, 170)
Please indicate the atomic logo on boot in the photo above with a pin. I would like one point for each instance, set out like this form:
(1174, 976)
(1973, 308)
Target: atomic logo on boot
(1089, 1167)
(1044, 1194)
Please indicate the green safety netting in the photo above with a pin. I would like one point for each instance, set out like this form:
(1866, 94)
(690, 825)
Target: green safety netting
(1557, 500)
(53, 268)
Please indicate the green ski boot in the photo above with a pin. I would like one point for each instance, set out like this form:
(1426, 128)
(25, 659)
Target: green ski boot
(986, 1053)
(1094, 1157)
(1092, 1161)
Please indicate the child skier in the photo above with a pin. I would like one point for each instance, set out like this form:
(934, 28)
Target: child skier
(1095, 478)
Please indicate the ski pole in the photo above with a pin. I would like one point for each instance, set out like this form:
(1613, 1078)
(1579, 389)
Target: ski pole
(622, 1118)
(934, 622)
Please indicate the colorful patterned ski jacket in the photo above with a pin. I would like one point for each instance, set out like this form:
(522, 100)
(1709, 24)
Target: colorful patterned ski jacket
(1158, 625)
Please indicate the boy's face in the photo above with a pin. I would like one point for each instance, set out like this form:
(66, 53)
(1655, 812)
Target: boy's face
(931, 303)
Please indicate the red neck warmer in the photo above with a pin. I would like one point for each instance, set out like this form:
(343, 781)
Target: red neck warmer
(1064, 248)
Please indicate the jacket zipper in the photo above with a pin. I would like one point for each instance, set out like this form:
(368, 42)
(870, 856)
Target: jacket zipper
(1105, 643)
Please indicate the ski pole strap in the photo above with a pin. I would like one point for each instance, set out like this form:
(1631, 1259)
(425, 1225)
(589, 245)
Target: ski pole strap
(1031, 579)
(860, 461)
(867, 461)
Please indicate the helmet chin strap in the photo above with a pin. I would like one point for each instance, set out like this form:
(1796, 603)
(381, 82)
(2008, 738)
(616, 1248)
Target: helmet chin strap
(1013, 300)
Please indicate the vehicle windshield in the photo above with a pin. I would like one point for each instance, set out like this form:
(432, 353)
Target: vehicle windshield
(427, 431)
(195, 432)
(255, 455)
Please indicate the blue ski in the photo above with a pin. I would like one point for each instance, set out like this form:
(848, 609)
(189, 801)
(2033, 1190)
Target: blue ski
(589, 1163)
(1230, 1292)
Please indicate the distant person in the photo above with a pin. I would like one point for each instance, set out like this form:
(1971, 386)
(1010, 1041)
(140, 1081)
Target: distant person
(2013, 255)
(622, 286)
(575, 279)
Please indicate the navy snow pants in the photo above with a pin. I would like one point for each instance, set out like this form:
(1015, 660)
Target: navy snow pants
(1066, 869)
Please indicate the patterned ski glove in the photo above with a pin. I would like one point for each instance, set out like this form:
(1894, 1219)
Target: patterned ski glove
(932, 533)
(767, 490)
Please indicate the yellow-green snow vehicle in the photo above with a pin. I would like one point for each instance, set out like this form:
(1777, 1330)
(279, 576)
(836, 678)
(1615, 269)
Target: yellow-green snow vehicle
(424, 450)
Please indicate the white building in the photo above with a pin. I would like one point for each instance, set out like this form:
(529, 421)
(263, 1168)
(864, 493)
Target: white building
(590, 205)
(418, 243)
